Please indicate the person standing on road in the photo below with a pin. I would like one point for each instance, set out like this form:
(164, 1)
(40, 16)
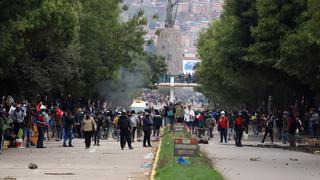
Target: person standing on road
(87, 127)
(268, 128)
(285, 127)
(67, 126)
(189, 117)
(231, 123)
(147, 127)
(223, 124)
(134, 120)
(157, 119)
(179, 112)
(125, 128)
(239, 126)
(97, 133)
(41, 123)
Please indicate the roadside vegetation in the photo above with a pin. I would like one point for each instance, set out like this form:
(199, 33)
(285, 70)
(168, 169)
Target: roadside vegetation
(167, 167)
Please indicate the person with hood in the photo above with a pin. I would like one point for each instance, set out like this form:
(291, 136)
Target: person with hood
(223, 125)
(125, 129)
(18, 116)
(239, 126)
(147, 127)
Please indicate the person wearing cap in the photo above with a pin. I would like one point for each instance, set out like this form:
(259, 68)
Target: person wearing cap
(147, 127)
(41, 124)
(239, 126)
(223, 125)
(125, 129)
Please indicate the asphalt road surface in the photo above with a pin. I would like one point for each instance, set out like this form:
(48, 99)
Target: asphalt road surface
(107, 161)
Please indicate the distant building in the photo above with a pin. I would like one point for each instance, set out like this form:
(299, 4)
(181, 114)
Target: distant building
(169, 45)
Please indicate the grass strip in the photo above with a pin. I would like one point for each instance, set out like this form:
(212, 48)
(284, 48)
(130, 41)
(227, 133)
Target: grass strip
(199, 167)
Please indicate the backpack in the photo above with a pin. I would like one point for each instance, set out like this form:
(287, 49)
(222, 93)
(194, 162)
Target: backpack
(238, 122)
(170, 113)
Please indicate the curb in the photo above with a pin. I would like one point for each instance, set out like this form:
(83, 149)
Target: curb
(155, 162)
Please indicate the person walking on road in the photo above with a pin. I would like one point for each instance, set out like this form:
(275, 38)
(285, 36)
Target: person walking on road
(134, 120)
(125, 129)
(239, 126)
(67, 124)
(223, 124)
(97, 133)
(88, 127)
(147, 127)
(268, 128)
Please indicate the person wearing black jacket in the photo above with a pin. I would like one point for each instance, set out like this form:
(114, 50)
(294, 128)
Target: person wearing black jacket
(157, 119)
(67, 125)
(268, 128)
(125, 128)
(97, 133)
(147, 127)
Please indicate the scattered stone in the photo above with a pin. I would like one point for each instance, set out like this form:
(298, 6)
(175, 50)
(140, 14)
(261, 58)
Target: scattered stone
(9, 178)
(255, 159)
(149, 156)
(293, 159)
(33, 166)
(287, 164)
(316, 152)
(59, 174)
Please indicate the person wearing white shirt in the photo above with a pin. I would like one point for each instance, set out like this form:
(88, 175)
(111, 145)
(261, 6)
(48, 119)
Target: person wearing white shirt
(189, 116)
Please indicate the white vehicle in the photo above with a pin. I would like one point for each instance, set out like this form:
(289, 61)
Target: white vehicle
(139, 106)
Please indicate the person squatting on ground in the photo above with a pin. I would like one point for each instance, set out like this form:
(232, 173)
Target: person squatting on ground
(88, 127)
(125, 129)
(147, 127)
(239, 126)
(223, 124)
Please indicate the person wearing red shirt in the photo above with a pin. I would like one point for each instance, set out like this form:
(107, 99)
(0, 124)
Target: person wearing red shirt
(223, 125)
(239, 126)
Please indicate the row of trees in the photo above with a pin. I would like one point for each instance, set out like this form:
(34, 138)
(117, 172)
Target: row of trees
(68, 46)
(259, 49)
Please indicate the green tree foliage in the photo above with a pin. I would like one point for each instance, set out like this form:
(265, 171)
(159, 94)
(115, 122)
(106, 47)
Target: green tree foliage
(260, 48)
(65, 46)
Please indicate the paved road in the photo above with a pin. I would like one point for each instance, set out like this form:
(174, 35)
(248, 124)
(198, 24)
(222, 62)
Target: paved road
(107, 161)
(235, 164)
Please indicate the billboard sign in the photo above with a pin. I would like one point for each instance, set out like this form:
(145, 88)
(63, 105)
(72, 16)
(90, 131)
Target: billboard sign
(188, 66)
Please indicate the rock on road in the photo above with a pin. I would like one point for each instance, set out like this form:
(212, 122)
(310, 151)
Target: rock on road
(265, 164)
(107, 161)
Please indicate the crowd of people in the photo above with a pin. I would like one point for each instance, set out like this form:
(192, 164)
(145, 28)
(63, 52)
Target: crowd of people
(65, 119)
(288, 124)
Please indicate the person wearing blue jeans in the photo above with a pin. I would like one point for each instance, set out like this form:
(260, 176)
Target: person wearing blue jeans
(67, 126)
